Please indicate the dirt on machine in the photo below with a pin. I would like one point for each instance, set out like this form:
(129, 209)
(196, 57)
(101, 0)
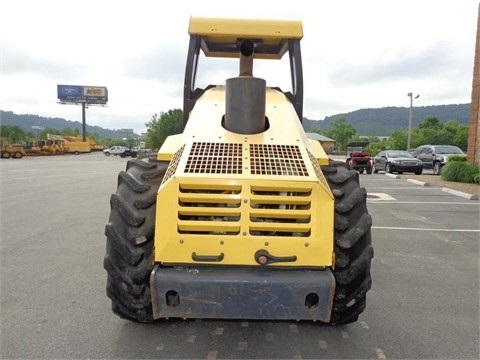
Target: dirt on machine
(241, 216)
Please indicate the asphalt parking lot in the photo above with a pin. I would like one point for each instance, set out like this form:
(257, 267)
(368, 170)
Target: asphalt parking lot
(424, 301)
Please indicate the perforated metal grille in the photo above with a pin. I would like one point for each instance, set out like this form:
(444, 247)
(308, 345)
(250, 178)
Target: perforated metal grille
(277, 160)
(214, 158)
(318, 170)
(172, 167)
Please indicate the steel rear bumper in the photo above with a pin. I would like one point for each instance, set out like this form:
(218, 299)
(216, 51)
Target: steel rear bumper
(242, 293)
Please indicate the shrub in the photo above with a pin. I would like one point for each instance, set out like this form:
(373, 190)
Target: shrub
(460, 171)
(457, 158)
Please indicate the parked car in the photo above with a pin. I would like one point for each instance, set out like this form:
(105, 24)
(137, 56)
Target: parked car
(398, 161)
(114, 150)
(129, 151)
(435, 156)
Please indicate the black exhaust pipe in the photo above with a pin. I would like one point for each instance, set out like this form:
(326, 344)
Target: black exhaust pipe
(245, 96)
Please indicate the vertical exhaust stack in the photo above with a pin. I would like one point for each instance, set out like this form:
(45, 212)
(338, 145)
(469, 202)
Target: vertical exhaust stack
(245, 96)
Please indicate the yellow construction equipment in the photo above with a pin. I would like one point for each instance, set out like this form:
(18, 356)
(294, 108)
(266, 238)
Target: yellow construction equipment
(77, 144)
(71, 144)
(44, 147)
(241, 216)
(14, 151)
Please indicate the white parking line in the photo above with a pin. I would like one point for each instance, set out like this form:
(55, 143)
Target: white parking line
(477, 203)
(379, 197)
(422, 229)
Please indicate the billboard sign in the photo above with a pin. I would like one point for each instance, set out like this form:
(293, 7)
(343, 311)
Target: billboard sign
(82, 94)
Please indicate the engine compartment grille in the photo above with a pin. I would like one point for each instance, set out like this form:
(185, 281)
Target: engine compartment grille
(318, 170)
(209, 209)
(230, 158)
(229, 209)
(258, 205)
(277, 160)
(280, 212)
(172, 167)
(214, 158)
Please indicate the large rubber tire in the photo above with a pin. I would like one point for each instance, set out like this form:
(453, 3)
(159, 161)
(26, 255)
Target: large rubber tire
(388, 169)
(130, 237)
(353, 243)
(6, 155)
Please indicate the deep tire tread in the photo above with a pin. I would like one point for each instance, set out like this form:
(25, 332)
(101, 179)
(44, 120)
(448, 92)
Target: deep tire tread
(130, 236)
(124, 248)
(353, 248)
(128, 214)
(132, 182)
(350, 237)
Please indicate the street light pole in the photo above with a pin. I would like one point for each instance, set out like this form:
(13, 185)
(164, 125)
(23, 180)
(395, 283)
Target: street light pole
(409, 136)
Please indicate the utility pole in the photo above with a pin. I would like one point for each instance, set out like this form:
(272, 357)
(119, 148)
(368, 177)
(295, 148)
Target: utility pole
(409, 136)
(84, 123)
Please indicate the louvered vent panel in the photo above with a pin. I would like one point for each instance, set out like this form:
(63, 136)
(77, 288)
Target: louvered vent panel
(280, 211)
(212, 209)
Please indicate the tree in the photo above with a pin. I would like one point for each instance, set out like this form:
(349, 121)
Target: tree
(431, 131)
(161, 126)
(42, 135)
(430, 122)
(460, 133)
(341, 132)
(70, 132)
(13, 133)
(376, 144)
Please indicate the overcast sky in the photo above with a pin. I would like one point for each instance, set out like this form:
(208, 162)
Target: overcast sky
(356, 54)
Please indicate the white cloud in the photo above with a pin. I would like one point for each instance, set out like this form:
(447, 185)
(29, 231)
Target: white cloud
(356, 54)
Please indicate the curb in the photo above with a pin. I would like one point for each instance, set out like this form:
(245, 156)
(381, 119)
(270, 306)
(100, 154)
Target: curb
(447, 190)
(460, 193)
(418, 182)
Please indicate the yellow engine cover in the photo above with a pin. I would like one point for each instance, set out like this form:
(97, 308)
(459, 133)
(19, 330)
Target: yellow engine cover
(226, 196)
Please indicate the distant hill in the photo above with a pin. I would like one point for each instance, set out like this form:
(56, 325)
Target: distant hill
(376, 122)
(26, 121)
(383, 121)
